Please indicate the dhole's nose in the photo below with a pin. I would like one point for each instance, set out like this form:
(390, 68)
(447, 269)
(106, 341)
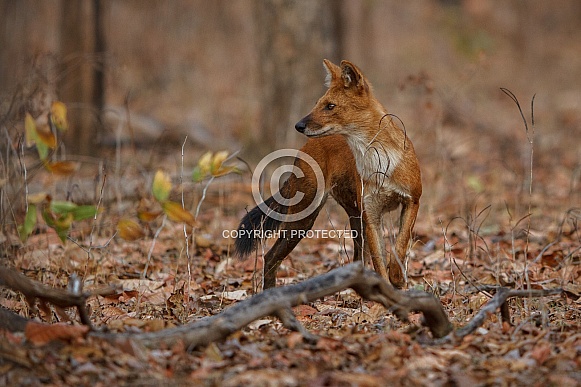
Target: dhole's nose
(301, 126)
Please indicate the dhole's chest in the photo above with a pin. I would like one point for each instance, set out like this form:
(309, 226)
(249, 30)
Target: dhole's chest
(375, 159)
(376, 162)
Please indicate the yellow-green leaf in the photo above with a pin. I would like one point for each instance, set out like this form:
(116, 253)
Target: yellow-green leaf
(217, 161)
(224, 171)
(129, 229)
(63, 226)
(37, 198)
(161, 187)
(58, 115)
(42, 138)
(44, 135)
(29, 130)
(474, 183)
(176, 213)
(64, 222)
(205, 163)
(61, 223)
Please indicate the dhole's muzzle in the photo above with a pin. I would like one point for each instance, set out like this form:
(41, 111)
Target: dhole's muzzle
(301, 125)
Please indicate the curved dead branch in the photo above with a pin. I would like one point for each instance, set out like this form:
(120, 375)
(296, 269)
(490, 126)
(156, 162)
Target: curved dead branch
(272, 302)
(499, 301)
(34, 291)
(278, 301)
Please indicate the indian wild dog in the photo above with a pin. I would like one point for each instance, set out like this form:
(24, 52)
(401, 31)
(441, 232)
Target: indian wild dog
(369, 167)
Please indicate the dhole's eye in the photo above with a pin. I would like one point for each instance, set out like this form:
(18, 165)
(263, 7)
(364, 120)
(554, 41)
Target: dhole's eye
(330, 106)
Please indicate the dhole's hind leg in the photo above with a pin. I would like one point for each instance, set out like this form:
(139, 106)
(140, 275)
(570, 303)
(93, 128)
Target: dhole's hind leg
(407, 220)
(290, 236)
(272, 260)
(374, 245)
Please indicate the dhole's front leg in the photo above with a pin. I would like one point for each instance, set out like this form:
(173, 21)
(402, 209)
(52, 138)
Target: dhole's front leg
(357, 229)
(407, 220)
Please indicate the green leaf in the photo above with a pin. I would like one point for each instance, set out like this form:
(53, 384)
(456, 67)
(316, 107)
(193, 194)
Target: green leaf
(27, 227)
(61, 223)
(84, 212)
(198, 175)
(62, 232)
(62, 207)
(42, 150)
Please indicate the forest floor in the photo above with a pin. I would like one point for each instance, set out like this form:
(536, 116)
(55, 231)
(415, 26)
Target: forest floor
(481, 226)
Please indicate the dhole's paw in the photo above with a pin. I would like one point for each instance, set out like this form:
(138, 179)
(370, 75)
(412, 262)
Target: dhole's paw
(396, 276)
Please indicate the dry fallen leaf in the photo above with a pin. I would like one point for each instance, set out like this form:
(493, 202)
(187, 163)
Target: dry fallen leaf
(41, 334)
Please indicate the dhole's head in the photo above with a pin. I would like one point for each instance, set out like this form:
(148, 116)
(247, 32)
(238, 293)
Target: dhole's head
(347, 107)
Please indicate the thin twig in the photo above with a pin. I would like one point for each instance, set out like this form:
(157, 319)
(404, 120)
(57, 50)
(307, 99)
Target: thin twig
(150, 253)
(186, 238)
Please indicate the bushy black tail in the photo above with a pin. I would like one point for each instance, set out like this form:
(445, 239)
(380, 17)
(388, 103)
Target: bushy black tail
(256, 219)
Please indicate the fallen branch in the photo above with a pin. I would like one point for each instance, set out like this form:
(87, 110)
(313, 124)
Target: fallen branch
(272, 302)
(278, 301)
(60, 298)
(499, 301)
(11, 321)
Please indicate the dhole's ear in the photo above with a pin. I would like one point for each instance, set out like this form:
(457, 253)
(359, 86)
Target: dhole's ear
(333, 72)
(352, 77)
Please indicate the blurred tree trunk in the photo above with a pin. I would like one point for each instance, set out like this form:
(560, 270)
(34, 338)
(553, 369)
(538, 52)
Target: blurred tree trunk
(81, 88)
(293, 39)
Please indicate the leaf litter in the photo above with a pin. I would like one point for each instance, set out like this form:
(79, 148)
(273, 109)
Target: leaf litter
(361, 343)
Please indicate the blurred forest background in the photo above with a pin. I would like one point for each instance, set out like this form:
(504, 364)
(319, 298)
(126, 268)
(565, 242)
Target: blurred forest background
(241, 73)
(238, 75)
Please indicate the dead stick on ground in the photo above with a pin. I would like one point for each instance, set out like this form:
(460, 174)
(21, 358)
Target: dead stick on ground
(497, 302)
(61, 298)
(278, 301)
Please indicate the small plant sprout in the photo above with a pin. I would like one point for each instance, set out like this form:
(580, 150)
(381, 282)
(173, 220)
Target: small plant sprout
(58, 215)
(44, 136)
(212, 165)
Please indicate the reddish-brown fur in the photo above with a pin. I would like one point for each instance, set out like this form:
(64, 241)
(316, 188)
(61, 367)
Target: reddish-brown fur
(369, 165)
